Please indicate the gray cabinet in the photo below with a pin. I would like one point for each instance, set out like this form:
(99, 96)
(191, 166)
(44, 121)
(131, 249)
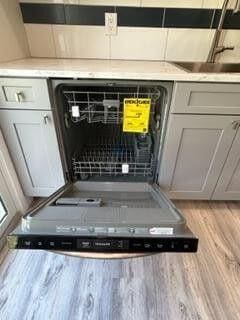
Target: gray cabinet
(195, 150)
(228, 187)
(206, 98)
(32, 142)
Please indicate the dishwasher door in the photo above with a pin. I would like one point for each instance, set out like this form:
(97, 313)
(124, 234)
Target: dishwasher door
(105, 217)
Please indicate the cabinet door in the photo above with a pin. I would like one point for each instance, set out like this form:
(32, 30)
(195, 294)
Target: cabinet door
(32, 142)
(228, 187)
(195, 150)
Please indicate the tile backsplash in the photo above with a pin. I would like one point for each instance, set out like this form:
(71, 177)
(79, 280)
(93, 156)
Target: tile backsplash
(147, 30)
(188, 44)
(81, 42)
(139, 44)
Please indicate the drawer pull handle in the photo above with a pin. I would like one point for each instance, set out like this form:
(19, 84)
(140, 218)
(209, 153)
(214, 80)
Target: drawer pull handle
(45, 119)
(236, 124)
(18, 96)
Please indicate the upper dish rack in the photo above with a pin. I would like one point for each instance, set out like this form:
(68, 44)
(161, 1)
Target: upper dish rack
(104, 106)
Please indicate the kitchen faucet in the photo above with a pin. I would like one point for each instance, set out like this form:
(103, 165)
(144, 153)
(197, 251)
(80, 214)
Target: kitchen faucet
(215, 47)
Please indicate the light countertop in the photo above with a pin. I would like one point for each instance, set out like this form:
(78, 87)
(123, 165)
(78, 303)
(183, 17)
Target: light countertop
(107, 69)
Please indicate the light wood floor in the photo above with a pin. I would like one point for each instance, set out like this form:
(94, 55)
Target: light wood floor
(202, 286)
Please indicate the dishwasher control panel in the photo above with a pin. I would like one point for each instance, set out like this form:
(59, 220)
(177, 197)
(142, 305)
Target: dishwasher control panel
(124, 245)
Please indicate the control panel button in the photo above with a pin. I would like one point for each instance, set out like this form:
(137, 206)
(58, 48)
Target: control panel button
(102, 244)
(160, 245)
(84, 244)
(119, 244)
(39, 244)
(172, 245)
(147, 245)
(136, 245)
(27, 243)
(51, 244)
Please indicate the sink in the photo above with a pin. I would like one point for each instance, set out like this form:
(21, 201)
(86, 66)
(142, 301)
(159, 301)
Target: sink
(208, 67)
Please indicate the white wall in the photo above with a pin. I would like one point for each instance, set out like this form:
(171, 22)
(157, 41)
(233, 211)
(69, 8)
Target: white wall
(13, 40)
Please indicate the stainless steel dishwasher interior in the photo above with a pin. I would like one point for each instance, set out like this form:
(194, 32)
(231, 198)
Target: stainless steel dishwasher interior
(123, 204)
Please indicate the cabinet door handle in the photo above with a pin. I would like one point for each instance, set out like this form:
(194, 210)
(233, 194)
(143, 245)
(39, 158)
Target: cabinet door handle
(18, 96)
(236, 124)
(45, 119)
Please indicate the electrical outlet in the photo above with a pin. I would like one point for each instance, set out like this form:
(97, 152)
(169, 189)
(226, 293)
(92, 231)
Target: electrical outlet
(110, 24)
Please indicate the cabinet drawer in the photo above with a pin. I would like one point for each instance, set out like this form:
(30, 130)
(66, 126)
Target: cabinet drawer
(206, 98)
(24, 93)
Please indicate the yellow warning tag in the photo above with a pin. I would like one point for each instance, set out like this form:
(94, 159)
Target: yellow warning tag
(136, 114)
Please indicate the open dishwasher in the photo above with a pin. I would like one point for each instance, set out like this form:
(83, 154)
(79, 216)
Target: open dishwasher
(111, 137)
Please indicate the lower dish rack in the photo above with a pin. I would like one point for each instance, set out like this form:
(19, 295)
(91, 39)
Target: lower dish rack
(113, 156)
